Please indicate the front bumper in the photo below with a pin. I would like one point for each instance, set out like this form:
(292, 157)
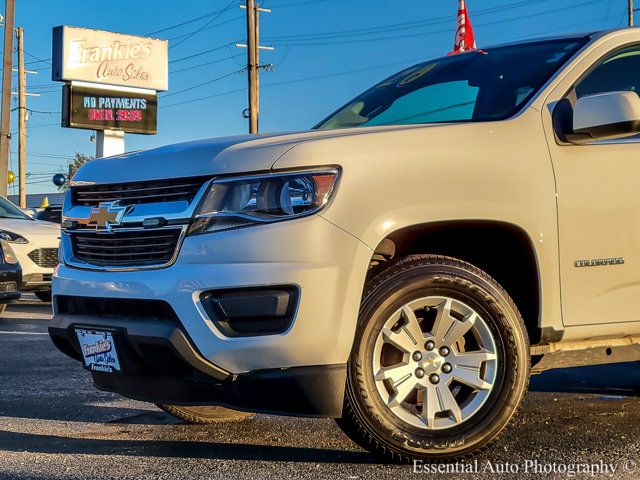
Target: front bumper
(305, 363)
(327, 264)
(10, 282)
(36, 282)
(35, 277)
(160, 365)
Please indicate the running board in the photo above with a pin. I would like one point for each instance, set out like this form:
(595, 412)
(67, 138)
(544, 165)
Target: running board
(585, 352)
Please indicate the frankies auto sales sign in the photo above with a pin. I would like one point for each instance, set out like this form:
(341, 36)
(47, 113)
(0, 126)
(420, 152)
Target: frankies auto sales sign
(97, 56)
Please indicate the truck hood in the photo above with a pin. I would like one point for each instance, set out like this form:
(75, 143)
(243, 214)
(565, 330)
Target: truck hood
(217, 156)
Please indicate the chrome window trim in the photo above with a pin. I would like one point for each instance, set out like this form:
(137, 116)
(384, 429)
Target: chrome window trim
(618, 141)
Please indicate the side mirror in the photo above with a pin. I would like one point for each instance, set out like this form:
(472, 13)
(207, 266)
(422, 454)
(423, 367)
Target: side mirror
(605, 116)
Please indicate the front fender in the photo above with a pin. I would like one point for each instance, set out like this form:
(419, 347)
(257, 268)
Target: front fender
(497, 171)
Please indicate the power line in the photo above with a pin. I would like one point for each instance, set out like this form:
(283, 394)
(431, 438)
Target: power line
(338, 34)
(50, 155)
(241, 17)
(224, 22)
(40, 175)
(203, 52)
(43, 85)
(209, 22)
(44, 125)
(40, 182)
(38, 59)
(215, 95)
(295, 4)
(200, 17)
(31, 62)
(186, 22)
(203, 83)
(577, 24)
(206, 63)
(182, 36)
(42, 111)
(433, 32)
(315, 77)
(398, 26)
(39, 69)
(298, 80)
(31, 162)
(48, 60)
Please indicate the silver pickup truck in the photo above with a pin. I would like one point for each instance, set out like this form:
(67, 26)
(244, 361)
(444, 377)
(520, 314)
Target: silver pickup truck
(403, 267)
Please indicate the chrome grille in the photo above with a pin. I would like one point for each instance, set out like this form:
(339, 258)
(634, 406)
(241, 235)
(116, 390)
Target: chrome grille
(126, 248)
(152, 191)
(44, 257)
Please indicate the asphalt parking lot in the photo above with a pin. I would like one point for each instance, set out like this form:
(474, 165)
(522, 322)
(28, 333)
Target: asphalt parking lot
(54, 424)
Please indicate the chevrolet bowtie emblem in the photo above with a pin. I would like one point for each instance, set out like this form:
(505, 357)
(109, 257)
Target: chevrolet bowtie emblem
(106, 215)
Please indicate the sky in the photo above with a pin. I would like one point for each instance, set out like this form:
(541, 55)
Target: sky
(325, 53)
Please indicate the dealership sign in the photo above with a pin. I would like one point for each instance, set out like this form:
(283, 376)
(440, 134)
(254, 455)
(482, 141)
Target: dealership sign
(97, 56)
(98, 108)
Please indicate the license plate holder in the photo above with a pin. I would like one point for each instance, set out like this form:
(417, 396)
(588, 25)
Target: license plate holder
(98, 349)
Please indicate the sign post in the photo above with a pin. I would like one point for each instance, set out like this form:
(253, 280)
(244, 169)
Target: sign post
(111, 83)
(109, 143)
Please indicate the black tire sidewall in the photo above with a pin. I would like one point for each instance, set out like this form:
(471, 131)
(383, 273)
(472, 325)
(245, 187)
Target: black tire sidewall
(43, 295)
(462, 282)
(204, 414)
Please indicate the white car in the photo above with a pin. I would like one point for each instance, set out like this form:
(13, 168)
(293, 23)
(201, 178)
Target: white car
(35, 243)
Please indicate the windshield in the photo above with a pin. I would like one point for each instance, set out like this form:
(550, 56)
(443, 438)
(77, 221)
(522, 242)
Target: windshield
(9, 210)
(477, 86)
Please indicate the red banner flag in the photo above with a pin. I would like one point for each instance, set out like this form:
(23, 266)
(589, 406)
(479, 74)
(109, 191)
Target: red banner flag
(465, 40)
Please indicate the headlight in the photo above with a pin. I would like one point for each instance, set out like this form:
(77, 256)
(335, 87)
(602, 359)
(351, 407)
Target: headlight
(7, 253)
(242, 202)
(12, 237)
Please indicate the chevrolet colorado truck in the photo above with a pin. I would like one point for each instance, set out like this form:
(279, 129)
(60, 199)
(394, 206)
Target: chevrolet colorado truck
(402, 267)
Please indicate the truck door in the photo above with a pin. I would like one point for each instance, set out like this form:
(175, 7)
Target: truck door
(598, 199)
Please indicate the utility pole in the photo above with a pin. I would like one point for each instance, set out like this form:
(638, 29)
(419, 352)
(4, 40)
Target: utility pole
(22, 123)
(252, 66)
(256, 80)
(5, 110)
(253, 61)
(631, 13)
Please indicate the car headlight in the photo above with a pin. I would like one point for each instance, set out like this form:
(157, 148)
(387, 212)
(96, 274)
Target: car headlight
(8, 254)
(12, 237)
(252, 200)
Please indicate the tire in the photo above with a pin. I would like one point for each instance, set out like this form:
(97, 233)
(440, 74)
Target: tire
(43, 295)
(402, 428)
(204, 415)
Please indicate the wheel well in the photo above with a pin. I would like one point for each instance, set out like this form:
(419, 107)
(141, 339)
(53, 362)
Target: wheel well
(501, 249)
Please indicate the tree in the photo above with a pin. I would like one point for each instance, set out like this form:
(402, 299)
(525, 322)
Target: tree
(78, 160)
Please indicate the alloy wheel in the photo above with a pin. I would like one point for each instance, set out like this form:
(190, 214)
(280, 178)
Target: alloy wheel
(434, 362)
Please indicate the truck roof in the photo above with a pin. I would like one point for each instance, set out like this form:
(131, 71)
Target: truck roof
(591, 35)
